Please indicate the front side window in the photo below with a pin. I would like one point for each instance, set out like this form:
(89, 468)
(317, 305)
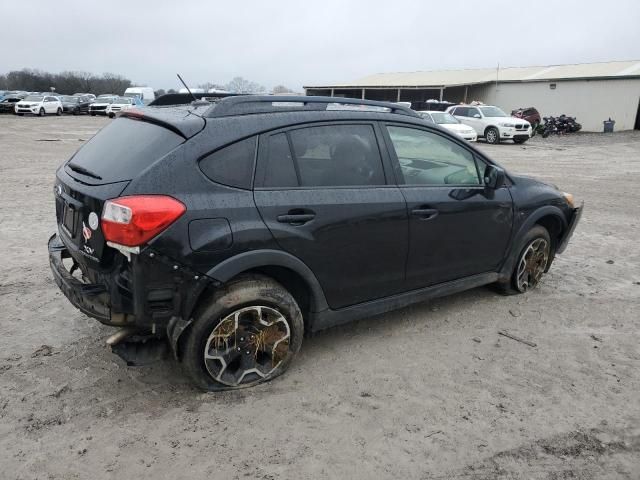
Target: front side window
(430, 159)
(232, 165)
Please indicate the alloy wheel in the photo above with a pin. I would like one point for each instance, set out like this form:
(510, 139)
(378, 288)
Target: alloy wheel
(532, 264)
(247, 346)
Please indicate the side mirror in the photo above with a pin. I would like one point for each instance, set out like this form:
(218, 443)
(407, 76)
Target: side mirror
(477, 115)
(494, 177)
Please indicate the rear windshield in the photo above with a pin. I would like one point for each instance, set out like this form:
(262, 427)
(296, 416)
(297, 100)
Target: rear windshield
(121, 150)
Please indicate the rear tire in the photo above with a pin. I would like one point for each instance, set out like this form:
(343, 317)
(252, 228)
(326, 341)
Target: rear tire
(247, 333)
(492, 135)
(533, 260)
(59, 112)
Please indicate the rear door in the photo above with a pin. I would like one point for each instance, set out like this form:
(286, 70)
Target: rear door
(322, 190)
(457, 227)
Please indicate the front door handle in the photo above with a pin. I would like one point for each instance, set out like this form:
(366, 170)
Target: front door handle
(296, 218)
(425, 213)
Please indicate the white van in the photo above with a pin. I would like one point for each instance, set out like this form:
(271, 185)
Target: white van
(143, 93)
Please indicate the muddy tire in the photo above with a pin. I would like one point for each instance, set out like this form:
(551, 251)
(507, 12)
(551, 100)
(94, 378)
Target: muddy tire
(246, 333)
(532, 261)
(492, 135)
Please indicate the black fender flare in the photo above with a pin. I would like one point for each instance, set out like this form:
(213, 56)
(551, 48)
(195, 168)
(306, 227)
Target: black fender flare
(530, 221)
(242, 262)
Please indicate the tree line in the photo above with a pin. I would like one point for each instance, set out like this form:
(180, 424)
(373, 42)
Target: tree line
(68, 83)
(65, 83)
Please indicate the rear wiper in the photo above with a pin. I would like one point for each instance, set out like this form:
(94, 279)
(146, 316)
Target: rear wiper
(84, 171)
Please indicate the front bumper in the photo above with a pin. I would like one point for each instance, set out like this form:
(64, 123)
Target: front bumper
(34, 110)
(564, 241)
(510, 132)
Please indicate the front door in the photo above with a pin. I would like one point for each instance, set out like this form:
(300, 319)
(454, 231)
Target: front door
(457, 226)
(322, 192)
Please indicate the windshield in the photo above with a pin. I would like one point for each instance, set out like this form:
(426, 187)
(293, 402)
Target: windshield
(33, 98)
(122, 100)
(69, 99)
(444, 118)
(131, 94)
(493, 112)
(105, 100)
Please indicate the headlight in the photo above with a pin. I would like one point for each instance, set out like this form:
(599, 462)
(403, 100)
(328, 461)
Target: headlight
(569, 198)
(508, 125)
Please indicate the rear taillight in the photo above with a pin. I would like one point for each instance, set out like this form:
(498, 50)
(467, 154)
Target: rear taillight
(133, 221)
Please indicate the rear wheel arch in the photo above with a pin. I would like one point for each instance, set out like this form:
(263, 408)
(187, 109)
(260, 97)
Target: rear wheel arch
(277, 265)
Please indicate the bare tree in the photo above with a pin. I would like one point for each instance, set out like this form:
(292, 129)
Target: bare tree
(279, 89)
(241, 85)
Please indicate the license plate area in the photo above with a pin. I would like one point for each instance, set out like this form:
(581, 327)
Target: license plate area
(69, 219)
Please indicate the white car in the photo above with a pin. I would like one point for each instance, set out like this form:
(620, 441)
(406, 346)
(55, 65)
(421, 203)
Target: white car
(99, 107)
(451, 123)
(492, 123)
(39, 105)
(119, 104)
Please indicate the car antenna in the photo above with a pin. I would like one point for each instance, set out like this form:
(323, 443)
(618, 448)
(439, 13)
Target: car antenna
(185, 86)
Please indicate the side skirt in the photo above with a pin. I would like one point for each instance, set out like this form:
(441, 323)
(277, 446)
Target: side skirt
(331, 318)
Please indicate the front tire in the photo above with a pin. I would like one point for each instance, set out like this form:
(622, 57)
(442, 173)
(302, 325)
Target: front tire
(59, 112)
(519, 141)
(533, 261)
(247, 333)
(41, 112)
(492, 135)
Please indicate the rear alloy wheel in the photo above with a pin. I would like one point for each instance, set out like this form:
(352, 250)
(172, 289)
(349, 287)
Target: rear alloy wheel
(41, 112)
(492, 135)
(246, 334)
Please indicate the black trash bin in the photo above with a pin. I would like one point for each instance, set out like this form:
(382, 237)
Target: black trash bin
(608, 125)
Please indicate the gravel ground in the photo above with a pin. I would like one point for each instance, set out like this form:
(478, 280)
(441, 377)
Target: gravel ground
(431, 391)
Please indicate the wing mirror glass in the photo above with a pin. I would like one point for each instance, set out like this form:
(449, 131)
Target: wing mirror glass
(494, 177)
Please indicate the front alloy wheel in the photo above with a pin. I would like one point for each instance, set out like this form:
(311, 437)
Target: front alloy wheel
(532, 264)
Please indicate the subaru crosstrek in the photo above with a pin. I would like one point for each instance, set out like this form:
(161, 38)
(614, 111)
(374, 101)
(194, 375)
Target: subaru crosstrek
(223, 232)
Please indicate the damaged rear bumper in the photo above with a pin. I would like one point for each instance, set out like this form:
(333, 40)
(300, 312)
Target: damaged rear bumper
(564, 241)
(89, 298)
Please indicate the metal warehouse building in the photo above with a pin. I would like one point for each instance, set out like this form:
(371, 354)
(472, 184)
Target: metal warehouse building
(592, 92)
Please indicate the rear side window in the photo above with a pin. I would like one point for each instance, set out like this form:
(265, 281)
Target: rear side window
(232, 165)
(344, 155)
(279, 170)
(124, 148)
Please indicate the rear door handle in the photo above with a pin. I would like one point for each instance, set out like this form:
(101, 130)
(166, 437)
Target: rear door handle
(296, 218)
(425, 213)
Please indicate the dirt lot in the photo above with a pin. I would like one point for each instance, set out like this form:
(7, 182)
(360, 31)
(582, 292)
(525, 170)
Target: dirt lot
(428, 392)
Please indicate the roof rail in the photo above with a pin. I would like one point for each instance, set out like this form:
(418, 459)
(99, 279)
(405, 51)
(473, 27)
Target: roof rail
(186, 98)
(253, 104)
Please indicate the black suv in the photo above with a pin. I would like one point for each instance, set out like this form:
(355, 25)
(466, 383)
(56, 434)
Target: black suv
(225, 231)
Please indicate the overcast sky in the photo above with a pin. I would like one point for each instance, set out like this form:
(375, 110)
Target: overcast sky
(298, 43)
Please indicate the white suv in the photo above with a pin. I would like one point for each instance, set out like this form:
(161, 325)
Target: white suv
(492, 123)
(39, 105)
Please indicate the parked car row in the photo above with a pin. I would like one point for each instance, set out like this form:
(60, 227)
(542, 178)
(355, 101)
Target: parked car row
(41, 103)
